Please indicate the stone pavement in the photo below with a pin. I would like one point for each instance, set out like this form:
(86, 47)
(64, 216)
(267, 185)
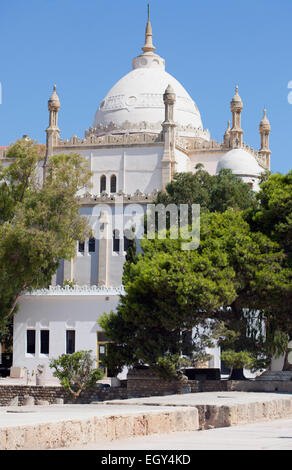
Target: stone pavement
(54, 426)
(268, 435)
(204, 398)
(221, 409)
(50, 427)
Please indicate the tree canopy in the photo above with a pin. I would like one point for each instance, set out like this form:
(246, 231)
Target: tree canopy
(39, 222)
(273, 217)
(213, 192)
(170, 291)
(235, 288)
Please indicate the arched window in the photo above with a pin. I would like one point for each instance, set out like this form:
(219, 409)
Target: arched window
(116, 241)
(113, 184)
(102, 183)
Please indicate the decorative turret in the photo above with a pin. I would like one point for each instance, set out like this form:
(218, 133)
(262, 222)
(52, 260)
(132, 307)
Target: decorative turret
(236, 132)
(227, 135)
(265, 129)
(168, 159)
(54, 102)
(52, 131)
(169, 99)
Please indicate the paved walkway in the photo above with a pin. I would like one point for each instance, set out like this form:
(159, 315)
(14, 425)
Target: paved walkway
(35, 415)
(205, 398)
(120, 422)
(271, 435)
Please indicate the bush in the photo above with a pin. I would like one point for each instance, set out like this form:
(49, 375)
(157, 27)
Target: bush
(76, 372)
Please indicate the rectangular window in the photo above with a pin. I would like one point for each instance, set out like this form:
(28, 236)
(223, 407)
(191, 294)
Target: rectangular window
(127, 243)
(91, 245)
(30, 341)
(116, 241)
(45, 337)
(81, 247)
(70, 341)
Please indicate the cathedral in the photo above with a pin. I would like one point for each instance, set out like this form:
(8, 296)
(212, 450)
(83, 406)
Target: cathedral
(145, 129)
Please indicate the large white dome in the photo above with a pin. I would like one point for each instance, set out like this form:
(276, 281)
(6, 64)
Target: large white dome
(135, 102)
(240, 162)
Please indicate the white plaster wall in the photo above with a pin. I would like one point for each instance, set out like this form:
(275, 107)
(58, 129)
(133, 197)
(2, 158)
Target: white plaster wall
(277, 364)
(58, 313)
(135, 168)
(182, 161)
(86, 263)
(251, 180)
(209, 160)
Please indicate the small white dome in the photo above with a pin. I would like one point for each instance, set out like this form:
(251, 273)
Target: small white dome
(240, 162)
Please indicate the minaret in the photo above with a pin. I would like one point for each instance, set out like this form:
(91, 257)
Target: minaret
(53, 130)
(236, 132)
(168, 159)
(227, 135)
(265, 129)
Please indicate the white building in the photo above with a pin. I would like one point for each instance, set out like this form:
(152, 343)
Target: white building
(146, 128)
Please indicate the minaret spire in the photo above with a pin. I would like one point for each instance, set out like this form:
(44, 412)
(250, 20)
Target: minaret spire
(236, 131)
(148, 46)
(265, 129)
(53, 130)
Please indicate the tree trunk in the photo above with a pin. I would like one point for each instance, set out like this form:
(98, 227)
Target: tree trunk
(14, 303)
(237, 374)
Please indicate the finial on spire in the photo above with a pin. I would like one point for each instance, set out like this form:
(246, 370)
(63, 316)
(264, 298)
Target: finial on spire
(54, 102)
(265, 123)
(236, 100)
(148, 46)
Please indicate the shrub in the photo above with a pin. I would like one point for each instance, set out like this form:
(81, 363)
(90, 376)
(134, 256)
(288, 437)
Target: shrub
(76, 372)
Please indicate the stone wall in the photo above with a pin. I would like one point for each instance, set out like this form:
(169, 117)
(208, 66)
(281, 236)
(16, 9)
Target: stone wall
(143, 382)
(258, 386)
(98, 429)
(8, 392)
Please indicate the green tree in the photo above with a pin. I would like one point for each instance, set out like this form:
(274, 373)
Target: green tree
(76, 372)
(170, 291)
(237, 360)
(213, 192)
(39, 223)
(274, 218)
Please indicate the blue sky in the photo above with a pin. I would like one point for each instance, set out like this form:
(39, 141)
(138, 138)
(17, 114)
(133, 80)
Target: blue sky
(85, 46)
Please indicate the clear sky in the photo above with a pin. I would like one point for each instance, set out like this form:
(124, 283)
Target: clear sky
(86, 46)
